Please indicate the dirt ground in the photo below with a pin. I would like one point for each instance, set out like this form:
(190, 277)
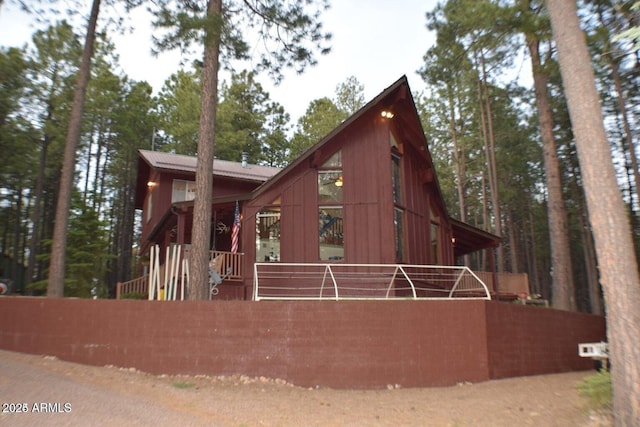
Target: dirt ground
(42, 390)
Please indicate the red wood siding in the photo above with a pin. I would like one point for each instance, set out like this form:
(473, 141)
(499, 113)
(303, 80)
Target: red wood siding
(368, 208)
(368, 232)
(367, 204)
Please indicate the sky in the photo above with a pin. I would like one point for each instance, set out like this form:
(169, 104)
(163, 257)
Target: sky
(377, 41)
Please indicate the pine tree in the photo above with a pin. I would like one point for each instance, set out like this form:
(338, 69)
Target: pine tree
(611, 229)
(289, 32)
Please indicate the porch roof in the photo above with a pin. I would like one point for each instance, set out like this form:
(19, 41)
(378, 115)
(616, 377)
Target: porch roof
(470, 239)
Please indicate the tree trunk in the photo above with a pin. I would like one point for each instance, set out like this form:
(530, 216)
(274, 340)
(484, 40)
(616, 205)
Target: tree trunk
(489, 149)
(611, 229)
(563, 288)
(55, 286)
(534, 281)
(586, 234)
(201, 230)
(514, 253)
(36, 214)
(458, 157)
(485, 219)
(595, 301)
(128, 213)
(627, 141)
(16, 249)
(87, 181)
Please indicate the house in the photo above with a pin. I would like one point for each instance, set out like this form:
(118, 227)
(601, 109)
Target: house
(367, 193)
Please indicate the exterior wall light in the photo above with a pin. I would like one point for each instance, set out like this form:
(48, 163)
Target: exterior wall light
(151, 184)
(387, 114)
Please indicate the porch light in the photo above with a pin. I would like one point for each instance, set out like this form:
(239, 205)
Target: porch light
(339, 182)
(387, 114)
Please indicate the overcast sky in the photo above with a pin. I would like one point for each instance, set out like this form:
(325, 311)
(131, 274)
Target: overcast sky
(377, 41)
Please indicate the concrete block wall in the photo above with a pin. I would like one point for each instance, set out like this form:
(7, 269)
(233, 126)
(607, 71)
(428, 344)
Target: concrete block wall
(343, 344)
(527, 340)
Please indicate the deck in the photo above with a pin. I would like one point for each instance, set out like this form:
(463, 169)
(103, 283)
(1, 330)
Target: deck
(351, 281)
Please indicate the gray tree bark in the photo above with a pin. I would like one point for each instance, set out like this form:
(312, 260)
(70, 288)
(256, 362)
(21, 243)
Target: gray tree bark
(563, 289)
(201, 230)
(55, 286)
(611, 228)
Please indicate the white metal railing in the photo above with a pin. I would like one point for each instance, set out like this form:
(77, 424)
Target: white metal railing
(317, 281)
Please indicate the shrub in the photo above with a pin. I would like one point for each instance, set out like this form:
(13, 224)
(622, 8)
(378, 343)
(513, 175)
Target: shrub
(183, 384)
(597, 388)
(133, 295)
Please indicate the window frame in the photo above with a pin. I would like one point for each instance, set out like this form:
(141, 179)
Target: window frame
(150, 206)
(398, 197)
(331, 173)
(435, 228)
(266, 211)
(189, 189)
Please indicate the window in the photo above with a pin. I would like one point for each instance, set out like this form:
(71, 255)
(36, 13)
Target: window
(149, 206)
(396, 181)
(330, 180)
(331, 233)
(398, 223)
(183, 191)
(330, 212)
(435, 237)
(268, 235)
(396, 188)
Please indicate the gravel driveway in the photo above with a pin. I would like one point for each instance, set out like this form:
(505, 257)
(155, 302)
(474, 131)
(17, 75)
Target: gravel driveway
(51, 392)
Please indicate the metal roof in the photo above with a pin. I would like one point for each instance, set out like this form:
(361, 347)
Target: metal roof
(225, 168)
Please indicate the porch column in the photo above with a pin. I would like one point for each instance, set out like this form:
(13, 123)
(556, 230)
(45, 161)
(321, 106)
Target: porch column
(492, 265)
(181, 227)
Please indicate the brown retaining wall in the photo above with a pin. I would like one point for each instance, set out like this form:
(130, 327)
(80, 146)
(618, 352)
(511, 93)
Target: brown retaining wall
(345, 344)
(526, 340)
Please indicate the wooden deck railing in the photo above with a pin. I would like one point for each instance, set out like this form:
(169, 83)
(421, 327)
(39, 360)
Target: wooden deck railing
(512, 283)
(137, 288)
(232, 262)
(508, 283)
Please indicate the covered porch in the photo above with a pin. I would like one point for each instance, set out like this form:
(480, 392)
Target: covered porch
(174, 228)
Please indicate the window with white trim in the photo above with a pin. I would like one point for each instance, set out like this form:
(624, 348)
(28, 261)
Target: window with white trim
(268, 235)
(183, 190)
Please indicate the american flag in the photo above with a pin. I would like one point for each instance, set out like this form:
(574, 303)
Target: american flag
(235, 230)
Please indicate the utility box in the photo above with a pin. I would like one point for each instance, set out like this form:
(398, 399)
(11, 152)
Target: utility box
(595, 350)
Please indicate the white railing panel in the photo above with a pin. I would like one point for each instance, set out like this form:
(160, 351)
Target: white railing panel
(316, 281)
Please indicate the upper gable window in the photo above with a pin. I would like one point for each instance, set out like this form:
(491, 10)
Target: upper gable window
(330, 180)
(183, 190)
(396, 179)
(396, 188)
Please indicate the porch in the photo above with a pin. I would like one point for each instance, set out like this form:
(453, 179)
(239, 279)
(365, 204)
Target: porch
(138, 288)
(340, 281)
